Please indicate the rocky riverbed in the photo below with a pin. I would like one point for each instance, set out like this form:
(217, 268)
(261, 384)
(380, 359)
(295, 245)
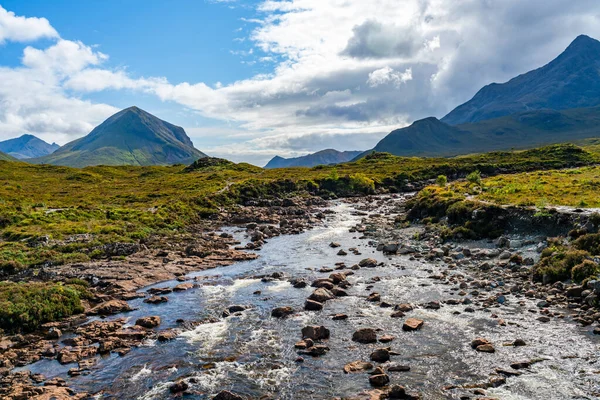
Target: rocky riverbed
(360, 306)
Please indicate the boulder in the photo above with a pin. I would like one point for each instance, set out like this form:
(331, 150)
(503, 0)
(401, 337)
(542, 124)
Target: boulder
(379, 380)
(381, 355)
(321, 295)
(178, 387)
(365, 335)
(311, 305)
(315, 332)
(357, 366)
(282, 312)
(110, 307)
(148, 322)
(367, 263)
(412, 324)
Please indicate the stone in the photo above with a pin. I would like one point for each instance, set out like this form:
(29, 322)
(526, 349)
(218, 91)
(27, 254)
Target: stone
(380, 355)
(379, 380)
(339, 317)
(374, 297)
(398, 368)
(282, 312)
(316, 350)
(54, 333)
(386, 338)
(110, 307)
(367, 263)
(321, 295)
(178, 387)
(156, 300)
(311, 305)
(357, 366)
(412, 324)
(365, 335)
(315, 332)
(148, 322)
(342, 253)
(183, 287)
(520, 365)
(486, 348)
(304, 344)
(227, 395)
(334, 245)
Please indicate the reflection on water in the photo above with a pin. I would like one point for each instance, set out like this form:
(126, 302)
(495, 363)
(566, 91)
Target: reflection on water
(254, 354)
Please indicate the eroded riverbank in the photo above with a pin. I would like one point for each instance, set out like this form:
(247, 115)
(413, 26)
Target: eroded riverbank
(250, 353)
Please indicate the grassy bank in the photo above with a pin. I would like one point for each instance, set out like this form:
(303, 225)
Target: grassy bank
(51, 214)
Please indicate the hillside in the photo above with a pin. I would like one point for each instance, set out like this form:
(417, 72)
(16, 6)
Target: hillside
(6, 157)
(130, 137)
(571, 80)
(27, 146)
(323, 157)
(430, 137)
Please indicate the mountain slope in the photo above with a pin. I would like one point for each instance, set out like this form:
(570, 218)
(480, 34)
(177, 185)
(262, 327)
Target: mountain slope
(572, 80)
(27, 146)
(130, 137)
(430, 137)
(325, 157)
(6, 157)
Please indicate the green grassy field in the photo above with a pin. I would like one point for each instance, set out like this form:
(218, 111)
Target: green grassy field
(48, 204)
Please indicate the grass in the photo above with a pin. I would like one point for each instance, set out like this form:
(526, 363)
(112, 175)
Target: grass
(573, 187)
(25, 306)
(45, 210)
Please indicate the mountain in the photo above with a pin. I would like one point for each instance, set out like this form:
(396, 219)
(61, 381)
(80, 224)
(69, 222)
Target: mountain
(329, 156)
(431, 137)
(130, 137)
(27, 146)
(572, 80)
(6, 157)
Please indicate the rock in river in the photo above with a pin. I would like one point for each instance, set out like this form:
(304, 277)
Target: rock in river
(282, 312)
(315, 332)
(365, 335)
(148, 322)
(412, 324)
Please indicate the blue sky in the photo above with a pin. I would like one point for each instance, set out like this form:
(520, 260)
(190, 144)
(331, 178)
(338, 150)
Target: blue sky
(252, 79)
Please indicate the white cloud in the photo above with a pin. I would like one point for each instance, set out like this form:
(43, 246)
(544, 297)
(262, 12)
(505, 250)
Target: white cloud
(345, 72)
(22, 29)
(386, 75)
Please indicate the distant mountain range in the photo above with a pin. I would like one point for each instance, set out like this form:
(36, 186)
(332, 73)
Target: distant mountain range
(329, 156)
(130, 137)
(559, 102)
(27, 146)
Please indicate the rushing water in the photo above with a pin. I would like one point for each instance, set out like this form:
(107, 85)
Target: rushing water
(253, 354)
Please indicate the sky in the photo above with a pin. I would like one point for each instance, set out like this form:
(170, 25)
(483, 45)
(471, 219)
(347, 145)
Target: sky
(249, 80)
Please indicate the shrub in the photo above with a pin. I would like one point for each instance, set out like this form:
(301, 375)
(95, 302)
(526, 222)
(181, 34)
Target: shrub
(362, 183)
(589, 243)
(584, 270)
(558, 266)
(474, 177)
(441, 181)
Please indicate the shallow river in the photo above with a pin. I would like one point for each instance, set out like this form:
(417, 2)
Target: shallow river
(254, 354)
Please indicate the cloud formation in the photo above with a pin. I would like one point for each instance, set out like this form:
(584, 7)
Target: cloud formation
(345, 72)
(21, 29)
